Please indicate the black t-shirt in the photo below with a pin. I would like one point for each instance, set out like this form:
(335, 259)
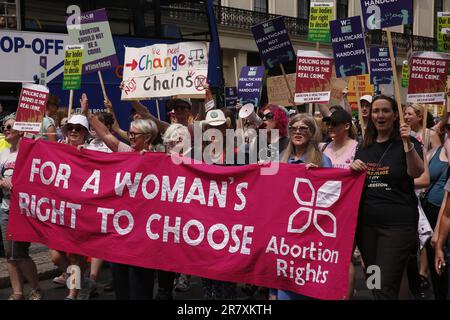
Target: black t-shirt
(388, 197)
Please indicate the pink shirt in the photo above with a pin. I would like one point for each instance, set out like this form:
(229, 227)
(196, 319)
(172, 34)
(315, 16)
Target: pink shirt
(342, 158)
(123, 147)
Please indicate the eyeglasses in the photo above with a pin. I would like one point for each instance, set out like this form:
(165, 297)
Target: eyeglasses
(8, 127)
(447, 127)
(133, 135)
(267, 116)
(299, 129)
(71, 127)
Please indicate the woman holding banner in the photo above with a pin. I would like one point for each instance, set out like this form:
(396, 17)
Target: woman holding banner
(18, 261)
(130, 282)
(303, 148)
(388, 215)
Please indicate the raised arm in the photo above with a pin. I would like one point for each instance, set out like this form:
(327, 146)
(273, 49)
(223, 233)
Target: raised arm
(115, 127)
(145, 114)
(102, 131)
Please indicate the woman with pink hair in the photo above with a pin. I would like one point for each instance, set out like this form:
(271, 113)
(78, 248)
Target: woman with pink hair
(275, 118)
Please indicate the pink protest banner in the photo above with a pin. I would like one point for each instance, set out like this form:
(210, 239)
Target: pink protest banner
(293, 230)
(313, 81)
(31, 107)
(427, 79)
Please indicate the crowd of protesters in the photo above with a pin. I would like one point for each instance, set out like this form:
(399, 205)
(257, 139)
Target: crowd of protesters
(407, 165)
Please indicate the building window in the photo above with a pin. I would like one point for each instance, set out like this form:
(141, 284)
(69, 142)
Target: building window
(217, 2)
(303, 9)
(342, 9)
(438, 7)
(8, 14)
(261, 5)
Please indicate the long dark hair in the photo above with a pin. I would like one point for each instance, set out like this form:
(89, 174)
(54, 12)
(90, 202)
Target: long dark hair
(371, 132)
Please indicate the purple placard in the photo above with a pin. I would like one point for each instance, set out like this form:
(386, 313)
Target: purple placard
(249, 86)
(349, 47)
(101, 64)
(94, 16)
(380, 66)
(381, 14)
(231, 97)
(273, 42)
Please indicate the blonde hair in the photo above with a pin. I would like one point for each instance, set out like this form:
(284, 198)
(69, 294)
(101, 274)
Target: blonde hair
(147, 127)
(313, 154)
(176, 131)
(419, 109)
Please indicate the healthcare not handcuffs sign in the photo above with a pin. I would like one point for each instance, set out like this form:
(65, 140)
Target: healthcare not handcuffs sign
(273, 42)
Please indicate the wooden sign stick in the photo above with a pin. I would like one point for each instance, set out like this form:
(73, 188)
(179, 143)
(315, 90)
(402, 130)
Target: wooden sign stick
(358, 101)
(102, 84)
(240, 124)
(287, 84)
(69, 112)
(397, 88)
(447, 100)
(157, 109)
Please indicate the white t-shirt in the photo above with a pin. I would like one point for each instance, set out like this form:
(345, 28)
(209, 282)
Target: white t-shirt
(98, 145)
(7, 164)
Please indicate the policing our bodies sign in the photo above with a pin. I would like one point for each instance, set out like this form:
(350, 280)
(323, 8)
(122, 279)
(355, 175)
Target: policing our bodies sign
(163, 70)
(349, 47)
(313, 80)
(427, 78)
(197, 219)
(30, 111)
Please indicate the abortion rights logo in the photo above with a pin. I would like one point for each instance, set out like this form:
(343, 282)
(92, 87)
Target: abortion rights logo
(315, 207)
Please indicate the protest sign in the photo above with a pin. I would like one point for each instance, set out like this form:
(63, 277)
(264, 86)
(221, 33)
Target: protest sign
(43, 71)
(73, 65)
(364, 88)
(164, 70)
(378, 14)
(349, 47)
(31, 108)
(380, 66)
(338, 85)
(273, 42)
(427, 78)
(197, 219)
(320, 16)
(443, 28)
(405, 74)
(313, 81)
(231, 97)
(95, 34)
(249, 85)
(277, 90)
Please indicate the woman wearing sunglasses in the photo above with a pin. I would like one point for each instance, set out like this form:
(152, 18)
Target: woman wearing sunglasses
(18, 261)
(388, 214)
(130, 282)
(76, 133)
(275, 118)
(303, 148)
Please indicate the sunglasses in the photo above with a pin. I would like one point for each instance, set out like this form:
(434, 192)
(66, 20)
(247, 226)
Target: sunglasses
(71, 127)
(447, 127)
(267, 116)
(299, 129)
(8, 127)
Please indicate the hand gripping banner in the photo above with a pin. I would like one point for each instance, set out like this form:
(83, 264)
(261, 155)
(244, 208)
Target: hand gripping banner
(293, 230)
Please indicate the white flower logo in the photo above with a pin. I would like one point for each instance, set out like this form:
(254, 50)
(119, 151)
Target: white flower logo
(327, 195)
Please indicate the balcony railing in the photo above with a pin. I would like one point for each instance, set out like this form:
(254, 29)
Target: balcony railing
(245, 19)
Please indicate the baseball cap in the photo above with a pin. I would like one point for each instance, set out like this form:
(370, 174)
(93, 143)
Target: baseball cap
(172, 103)
(366, 97)
(339, 116)
(215, 118)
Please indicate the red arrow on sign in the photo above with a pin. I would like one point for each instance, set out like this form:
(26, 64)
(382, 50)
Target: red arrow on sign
(133, 65)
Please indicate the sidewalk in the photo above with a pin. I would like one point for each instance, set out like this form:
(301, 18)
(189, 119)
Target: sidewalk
(41, 256)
